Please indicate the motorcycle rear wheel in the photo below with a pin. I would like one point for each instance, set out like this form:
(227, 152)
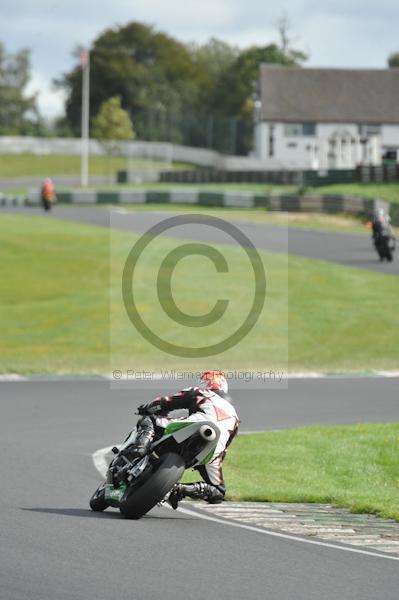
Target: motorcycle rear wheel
(138, 501)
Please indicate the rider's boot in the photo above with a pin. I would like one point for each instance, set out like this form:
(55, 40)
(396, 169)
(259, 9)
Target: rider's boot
(145, 435)
(196, 491)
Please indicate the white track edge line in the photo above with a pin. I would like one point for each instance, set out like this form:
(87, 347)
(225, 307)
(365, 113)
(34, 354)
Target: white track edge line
(12, 377)
(101, 465)
(285, 535)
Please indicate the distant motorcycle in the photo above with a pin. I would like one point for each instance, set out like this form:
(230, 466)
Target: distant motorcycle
(48, 200)
(136, 486)
(48, 195)
(385, 244)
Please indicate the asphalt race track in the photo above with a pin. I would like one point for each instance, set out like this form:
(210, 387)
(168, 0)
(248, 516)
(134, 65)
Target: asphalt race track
(349, 249)
(54, 548)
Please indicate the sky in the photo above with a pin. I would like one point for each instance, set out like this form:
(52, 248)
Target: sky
(335, 33)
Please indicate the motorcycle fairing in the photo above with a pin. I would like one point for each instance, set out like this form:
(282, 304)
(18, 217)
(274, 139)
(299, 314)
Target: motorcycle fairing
(182, 430)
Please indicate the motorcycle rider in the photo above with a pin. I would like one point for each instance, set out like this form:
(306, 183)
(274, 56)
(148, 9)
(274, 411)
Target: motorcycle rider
(381, 222)
(207, 402)
(382, 230)
(48, 195)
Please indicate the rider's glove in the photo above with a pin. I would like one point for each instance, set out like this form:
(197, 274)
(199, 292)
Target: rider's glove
(156, 407)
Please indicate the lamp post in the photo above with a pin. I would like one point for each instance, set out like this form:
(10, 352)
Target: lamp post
(84, 156)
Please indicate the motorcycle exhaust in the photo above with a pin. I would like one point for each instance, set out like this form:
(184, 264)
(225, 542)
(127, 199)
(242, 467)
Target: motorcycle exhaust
(207, 433)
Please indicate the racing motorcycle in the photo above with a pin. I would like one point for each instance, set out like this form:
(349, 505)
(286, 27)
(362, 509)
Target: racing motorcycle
(48, 199)
(384, 243)
(136, 486)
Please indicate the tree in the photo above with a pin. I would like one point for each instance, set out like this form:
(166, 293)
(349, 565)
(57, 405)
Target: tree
(197, 95)
(146, 68)
(393, 60)
(234, 93)
(211, 60)
(283, 27)
(112, 124)
(18, 112)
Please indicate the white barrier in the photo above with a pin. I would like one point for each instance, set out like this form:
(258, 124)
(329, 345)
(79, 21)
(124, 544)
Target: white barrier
(160, 151)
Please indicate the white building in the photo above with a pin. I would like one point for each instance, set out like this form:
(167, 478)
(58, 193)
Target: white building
(326, 118)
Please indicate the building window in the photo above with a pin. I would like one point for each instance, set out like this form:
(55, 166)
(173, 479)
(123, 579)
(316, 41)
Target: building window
(299, 129)
(292, 129)
(369, 130)
(309, 129)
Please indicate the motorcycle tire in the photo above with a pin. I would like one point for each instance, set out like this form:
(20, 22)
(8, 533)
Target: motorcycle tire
(97, 501)
(138, 501)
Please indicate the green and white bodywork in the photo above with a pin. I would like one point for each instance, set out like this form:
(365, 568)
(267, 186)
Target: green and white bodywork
(182, 430)
(181, 434)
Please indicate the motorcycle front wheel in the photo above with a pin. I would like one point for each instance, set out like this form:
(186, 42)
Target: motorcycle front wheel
(138, 501)
(97, 501)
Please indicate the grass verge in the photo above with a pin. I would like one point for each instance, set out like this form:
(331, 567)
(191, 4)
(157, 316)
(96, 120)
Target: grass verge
(51, 165)
(351, 466)
(54, 306)
(383, 191)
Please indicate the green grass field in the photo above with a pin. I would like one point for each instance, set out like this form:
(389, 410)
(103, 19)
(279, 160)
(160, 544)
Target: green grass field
(54, 306)
(51, 165)
(351, 466)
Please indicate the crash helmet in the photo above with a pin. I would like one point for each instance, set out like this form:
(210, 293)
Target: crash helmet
(48, 184)
(214, 380)
(379, 214)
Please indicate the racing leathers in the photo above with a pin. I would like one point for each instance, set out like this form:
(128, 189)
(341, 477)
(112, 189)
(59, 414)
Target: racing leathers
(202, 405)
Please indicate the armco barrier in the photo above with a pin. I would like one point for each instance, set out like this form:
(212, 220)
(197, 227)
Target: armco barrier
(278, 202)
(8, 200)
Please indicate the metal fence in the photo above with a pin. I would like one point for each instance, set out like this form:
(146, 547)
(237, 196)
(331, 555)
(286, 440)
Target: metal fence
(380, 173)
(228, 135)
